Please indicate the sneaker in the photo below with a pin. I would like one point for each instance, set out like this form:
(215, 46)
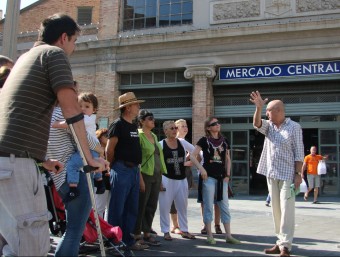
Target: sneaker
(232, 240)
(99, 184)
(71, 195)
(267, 204)
(211, 241)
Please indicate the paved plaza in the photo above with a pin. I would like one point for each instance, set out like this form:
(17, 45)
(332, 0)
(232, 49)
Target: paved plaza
(317, 231)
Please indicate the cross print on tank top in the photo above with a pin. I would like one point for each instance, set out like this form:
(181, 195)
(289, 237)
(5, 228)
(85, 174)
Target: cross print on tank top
(175, 161)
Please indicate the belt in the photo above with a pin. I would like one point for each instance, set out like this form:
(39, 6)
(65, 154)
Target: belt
(4, 154)
(128, 164)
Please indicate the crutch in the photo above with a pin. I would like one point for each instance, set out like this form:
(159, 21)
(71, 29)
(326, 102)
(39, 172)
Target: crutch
(87, 169)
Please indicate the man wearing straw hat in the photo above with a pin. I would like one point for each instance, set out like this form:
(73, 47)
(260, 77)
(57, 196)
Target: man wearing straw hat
(124, 153)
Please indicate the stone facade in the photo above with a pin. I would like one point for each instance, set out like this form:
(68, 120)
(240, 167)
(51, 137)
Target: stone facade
(31, 16)
(224, 11)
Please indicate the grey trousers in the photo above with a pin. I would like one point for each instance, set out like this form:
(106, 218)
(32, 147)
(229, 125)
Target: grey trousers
(24, 229)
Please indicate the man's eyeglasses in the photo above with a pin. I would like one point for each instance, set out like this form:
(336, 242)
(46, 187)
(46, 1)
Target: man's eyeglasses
(172, 128)
(214, 124)
(150, 118)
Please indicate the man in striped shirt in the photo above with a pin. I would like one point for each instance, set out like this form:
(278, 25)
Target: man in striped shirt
(281, 162)
(39, 78)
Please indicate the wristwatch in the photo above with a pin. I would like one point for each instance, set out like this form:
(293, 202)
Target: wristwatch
(297, 173)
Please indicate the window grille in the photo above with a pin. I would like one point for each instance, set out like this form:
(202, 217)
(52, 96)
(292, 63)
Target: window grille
(84, 15)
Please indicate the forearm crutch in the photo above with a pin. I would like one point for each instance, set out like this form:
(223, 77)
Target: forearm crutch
(87, 169)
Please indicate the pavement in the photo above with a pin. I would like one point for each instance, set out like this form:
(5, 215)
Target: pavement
(317, 230)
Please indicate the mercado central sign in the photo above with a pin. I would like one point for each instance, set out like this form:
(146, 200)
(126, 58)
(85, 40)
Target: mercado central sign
(279, 70)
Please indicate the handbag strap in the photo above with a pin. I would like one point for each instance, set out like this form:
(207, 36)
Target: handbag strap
(150, 154)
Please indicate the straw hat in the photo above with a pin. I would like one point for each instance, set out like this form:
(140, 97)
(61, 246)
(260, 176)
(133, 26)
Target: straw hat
(127, 99)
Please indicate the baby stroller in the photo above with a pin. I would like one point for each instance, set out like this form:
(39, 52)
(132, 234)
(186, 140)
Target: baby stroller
(112, 236)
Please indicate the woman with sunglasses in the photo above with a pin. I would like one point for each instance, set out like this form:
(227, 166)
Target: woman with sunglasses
(214, 177)
(152, 168)
(174, 182)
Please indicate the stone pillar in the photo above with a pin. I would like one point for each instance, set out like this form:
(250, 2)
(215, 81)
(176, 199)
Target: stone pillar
(107, 91)
(202, 100)
(9, 43)
(108, 19)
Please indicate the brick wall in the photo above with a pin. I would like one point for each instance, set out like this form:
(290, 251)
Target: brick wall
(30, 18)
(105, 86)
(202, 105)
(109, 18)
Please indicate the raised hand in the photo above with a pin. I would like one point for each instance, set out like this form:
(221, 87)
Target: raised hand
(257, 99)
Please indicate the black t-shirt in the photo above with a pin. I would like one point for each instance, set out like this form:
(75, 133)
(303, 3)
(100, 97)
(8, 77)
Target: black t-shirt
(214, 157)
(174, 161)
(128, 147)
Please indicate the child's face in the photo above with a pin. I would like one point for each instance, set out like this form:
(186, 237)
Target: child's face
(87, 108)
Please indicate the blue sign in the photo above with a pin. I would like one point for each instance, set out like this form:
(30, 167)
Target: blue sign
(279, 70)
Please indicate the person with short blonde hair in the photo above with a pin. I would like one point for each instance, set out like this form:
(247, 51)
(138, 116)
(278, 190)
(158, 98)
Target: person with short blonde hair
(174, 182)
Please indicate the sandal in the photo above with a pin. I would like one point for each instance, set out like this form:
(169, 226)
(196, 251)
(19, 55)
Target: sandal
(211, 241)
(218, 229)
(138, 247)
(167, 236)
(232, 240)
(151, 241)
(203, 230)
(305, 197)
(187, 235)
(176, 231)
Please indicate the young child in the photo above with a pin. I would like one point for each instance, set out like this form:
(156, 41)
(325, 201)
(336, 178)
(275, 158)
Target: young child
(89, 105)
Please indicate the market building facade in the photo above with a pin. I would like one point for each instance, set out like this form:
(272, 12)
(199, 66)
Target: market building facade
(192, 59)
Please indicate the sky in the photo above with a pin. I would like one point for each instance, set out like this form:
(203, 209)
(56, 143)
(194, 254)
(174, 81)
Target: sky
(23, 4)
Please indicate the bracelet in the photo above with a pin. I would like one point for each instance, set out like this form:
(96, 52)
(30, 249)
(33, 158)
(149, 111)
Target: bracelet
(297, 173)
(227, 176)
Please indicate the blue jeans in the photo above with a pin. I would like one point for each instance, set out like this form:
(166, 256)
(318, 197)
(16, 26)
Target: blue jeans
(74, 164)
(123, 207)
(209, 195)
(77, 213)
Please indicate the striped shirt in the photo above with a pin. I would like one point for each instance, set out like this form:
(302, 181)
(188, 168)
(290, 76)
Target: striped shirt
(61, 146)
(28, 97)
(282, 148)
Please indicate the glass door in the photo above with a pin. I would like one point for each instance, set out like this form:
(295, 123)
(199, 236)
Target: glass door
(330, 145)
(239, 158)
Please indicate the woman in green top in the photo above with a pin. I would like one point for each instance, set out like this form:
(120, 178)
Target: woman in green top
(152, 168)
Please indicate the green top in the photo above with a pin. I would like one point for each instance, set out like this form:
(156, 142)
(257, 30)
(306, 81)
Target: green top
(148, 149)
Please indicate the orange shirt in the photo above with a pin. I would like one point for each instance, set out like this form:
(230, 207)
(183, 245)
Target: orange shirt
(312, 163)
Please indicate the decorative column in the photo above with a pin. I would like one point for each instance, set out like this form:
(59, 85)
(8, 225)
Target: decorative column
(202, 100)
(10, 36)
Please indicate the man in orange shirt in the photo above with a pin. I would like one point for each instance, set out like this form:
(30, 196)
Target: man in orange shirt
(310, 164)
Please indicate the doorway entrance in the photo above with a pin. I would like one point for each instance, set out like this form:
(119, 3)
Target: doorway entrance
(257, 182)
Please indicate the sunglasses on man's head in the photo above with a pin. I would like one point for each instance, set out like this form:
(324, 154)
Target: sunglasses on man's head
(214, 124)
(172, 128)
